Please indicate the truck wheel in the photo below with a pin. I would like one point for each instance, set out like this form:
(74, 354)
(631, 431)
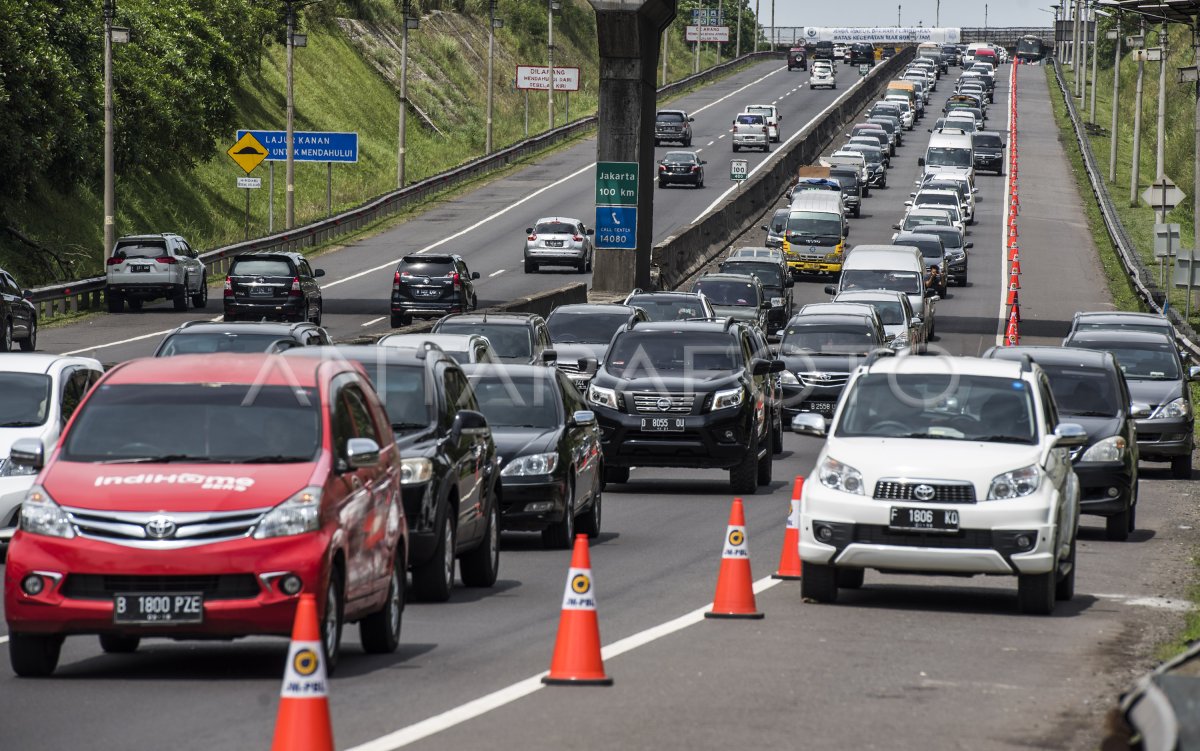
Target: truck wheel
(379, 632)
(743, 479)
(819, 583)
(135, 304)
(1181, 467)
(34, 655)
(115, 302)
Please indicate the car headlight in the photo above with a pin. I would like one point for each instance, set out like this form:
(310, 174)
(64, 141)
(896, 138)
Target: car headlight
(1172, 410)
(1110, 449)
(415, 471)
(958, 255)
(1016, 484)
(788, 378)
(40, 515)
(843, 477)
(776, 302)
(834, 256)
(531, 464)
(728, 398)
(603, 397)
(299, 514)
(11, 469)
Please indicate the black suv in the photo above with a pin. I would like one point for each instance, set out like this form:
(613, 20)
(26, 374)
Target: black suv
(206, 337)
(796, 59)
(989, 151)
(429, 285)
(777, 285)
(518, 338)
(820, 352)
(449, 470)
(672, 125)
(862, 53)
(19, 315)
(735, 296)
(686, 394)
(273, 286)
(582, 332)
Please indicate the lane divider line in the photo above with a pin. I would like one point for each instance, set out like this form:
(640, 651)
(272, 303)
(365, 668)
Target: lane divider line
(498, 272)
(373, 321)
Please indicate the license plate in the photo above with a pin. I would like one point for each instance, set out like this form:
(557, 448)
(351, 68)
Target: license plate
(261, 291)
(935, 519)
(427, 292)
(139, 269)
(554, 243)
(662, 424)
(825, 408)
(176, 607)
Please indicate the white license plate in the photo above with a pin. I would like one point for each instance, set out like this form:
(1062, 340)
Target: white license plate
(427, 292)
(261, 291)
(165, 608)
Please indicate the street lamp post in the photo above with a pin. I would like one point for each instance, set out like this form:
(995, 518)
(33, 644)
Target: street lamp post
(1136, 165)
(1095, 58)
(290, 170)
(1116, 98)
(898, 9)
(1160, 151)
(110, 229)
(757, 8)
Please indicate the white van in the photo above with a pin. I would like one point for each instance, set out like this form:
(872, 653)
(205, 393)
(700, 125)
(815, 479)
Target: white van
(814, 239)
(750, 131)
(950, 150)
(899, 268)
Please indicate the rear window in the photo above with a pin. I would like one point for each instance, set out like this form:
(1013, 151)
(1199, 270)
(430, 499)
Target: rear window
(141, 249)
(554, 228)
(768, 274)
(660, 308)
(750, 119)
(831, 339)
(669, 117)
(1083, 392)
(509, 342)
(728, 292)
(24, 399)
(587, 328)
(422, 267)
(208, 342)
(261, 267)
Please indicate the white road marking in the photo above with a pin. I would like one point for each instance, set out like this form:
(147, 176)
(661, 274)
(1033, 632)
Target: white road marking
(722, 136)
(710, 143)
(373, 321)
(498, 272)
(507, 695)
(1158, 603)
(3, 639)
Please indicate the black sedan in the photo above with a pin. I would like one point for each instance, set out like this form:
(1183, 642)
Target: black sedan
(551, 462)
(681, 168)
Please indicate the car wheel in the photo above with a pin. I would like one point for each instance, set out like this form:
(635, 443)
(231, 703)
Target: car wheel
(34, 655)
(29, 343)
(590, 259)
(767, 148)
(200, 299)
(6, 343)
(561, 534)
(849, 578)
(115, 302)
(662, 183)
(1116, 527)
(819, 583)
(1181, 466)
(857, 212)
(316, 320)
(777, 437)
(767, 463)
(1064, 588)
(530, 267)
(433, 579)
(589, 523)
(481, 566)
(379, 632)
(119, 644)
(180, 300)
(743, 479)
(1132, 509)
(736, 148)
(1035, 592)
(331, 624)
(135, 304)
(617, 475)
(401, 319)
(687, 143)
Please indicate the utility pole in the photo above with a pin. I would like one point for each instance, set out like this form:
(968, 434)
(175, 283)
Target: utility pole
(1095, 56)
(403, 132)
(774, 28)
(737, 51)
(1075, 43)
(491, 62)
(1136, 166)
(552, 6)
(1116, 98)
(937, 14)
(898, 9)
(665, 35)
(290, 173)
(696, 63)
(110, 192)
(1160, 152)
(757, 8)
(1083, 71)
(985, 18)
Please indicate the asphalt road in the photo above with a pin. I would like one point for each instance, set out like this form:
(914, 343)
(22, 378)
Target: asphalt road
(906, 662)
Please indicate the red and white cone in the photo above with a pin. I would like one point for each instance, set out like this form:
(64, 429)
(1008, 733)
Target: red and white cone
(789, 555)
(303, 722)
(577, 660)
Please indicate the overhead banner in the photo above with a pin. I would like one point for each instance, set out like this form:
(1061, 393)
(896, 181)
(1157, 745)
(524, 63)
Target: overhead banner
(882, 35)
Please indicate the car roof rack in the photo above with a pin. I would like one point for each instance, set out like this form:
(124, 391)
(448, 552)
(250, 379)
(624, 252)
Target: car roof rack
(426, 348)
(728, 323)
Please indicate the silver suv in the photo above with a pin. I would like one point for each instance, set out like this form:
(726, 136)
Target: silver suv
(558, 241)
(152, 267)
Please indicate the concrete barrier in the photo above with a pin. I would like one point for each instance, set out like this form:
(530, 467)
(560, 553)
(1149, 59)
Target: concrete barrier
(683, 254)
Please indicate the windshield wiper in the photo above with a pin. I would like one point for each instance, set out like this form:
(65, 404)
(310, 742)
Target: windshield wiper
(163, 459)
(1002, 438)
(20, 424)
(271, 459)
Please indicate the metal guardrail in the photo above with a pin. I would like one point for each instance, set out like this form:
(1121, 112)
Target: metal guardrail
(88, 294)
(1140, 276)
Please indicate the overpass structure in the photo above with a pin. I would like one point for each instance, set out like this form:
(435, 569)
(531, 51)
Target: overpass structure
(1007, 36)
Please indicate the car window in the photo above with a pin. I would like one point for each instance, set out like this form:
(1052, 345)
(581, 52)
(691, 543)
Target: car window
(572, 400)
(261, 267)
(217, 341)
(75, 385)
(590, 327)
(1144, 362)
(426, 267)
(140, 248)
(728, 292)
(908, 282)
(24, 399)
(361, 425)
(458, 391)
(750, 119)
(554, 228)
(669, 117)
(827, 339)
(519, 402)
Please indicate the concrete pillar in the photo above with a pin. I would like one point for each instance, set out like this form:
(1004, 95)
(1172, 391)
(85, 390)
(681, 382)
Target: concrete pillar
(627, 36)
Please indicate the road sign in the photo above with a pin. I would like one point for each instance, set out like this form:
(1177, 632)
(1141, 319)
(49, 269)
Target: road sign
(616, 227)
(537, 78)
(249, 182)
(616, 184)
(247, 151)
(737, 169)
(1166, 240)
(1135, 42)
(307, 146)
(1163, 196)
(708, 33)
(707, 17)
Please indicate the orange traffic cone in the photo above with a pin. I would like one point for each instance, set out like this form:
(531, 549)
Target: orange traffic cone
(1012, 226)
(1014, 283)
(1014, 309)
(1016, 264)
(303, 721)
(577, 660)
(1015, 204)
(735, 585)
(1013, 252)
(789, 556)
(1012, 337)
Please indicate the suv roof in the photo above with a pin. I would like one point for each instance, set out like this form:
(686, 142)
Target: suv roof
(715, 326)
(38, 362)
(504, 319)
(1119, 317)
(1121, 336)
(431, 258)
(1078, 356)
(266, 327)
(937, 364)
(149, 236)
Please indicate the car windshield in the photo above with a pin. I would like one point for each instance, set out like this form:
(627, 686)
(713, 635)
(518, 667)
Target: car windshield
(941, 406)
(669, 309)
(680, 157)
(814, 225)
(261, 267)
(779, 221)
(1149, 362)
(517, 402)
(669, 117)
(826, 339)
(948, 157)
(141, 249)
(767, 273)
(201, 343)
(988, 141)
(402, 390)
(919, 220)
(1083, 392)
(908, 282)
(936, 199)
(646, 355)
(589, 328)
(231, 423)
(728, 292)
(554, 228)
(928, 249)
(950, 240)
(764, 111)
(508, 342)
(24, 399)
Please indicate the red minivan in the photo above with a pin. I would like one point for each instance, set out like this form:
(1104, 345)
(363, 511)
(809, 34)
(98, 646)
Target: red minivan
(196, 497)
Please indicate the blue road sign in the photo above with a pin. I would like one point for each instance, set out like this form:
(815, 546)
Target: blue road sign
(616, 227)
(308, 146)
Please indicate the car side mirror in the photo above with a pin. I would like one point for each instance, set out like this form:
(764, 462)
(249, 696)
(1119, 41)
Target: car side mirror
(468, 422)
(907, 203)
(704, 161)
(317, 273)
(968, 244)
(912, 195)
(765, 228)
(529, 230)
(830, 289)
(896, 226)
(549, 355)
(691, 119)
(583, 418)
(662, 161)
(27, 294)
(591, 232)
(588, 364)
(788, 282)
(778, 366)
(917, 320)
(808, 423)
(761, 367)
(921, 161)
(1069, 435)
(28, 452)
(362, 452)
(474, 275)
(1194, 373)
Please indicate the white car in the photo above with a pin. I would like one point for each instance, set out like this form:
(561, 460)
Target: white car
(38, 394)
(932, 198)
(943, 466)
(907, 116)
(771, 112)
(822, 75)
(465, 349)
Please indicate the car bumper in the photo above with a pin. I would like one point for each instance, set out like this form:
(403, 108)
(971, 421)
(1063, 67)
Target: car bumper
(815, 267)
(147, 291)
(254, 607)
(12, 493)
(956, 270)
(530, 503)
(554, 255)
(1105, 488)
(1164, 439)
(673, 136)
(264, 308)
(756, 141)
(422, 308)
(716, 440)
(986, 542)
(686, 179)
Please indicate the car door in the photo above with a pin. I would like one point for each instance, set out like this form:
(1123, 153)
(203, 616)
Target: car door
(464, 453)
(582, 441)
(195, 266)
(22, 313)
(386, 502)
(353, 500)
(1058, 467)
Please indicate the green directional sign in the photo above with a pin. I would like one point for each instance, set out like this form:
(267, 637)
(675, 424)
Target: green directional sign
(616, 183)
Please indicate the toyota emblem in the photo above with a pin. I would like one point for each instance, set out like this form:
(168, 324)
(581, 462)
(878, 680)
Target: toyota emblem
(260, 280)
(822, 377)
(160, 527)
(924, 492)
(664, 404)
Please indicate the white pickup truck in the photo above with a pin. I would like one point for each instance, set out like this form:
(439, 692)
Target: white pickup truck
(750, 131)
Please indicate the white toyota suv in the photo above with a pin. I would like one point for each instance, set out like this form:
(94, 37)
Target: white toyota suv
(943, 466)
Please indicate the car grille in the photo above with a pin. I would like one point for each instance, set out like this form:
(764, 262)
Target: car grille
(213, 587)
(191, 528)
(943, 492)
(822, 379)
(872, 534)
(677, 403)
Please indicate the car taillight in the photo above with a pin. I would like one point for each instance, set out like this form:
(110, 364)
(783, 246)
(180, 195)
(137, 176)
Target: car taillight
(228, 287)
(114, 261)
(295, 290)
(456, 280)
(577, 238)
(662, 168)
(533, 237)
(166, 259)
(696, 168)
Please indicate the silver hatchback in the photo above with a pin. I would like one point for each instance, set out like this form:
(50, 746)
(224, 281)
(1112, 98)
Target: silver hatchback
(559, 241)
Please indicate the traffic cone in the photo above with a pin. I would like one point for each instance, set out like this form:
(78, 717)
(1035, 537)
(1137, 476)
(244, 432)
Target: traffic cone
(303, 722)
(1012, 337)
(1014, 283)
(1016, 264)
(1012, 247)
(1014, 308)
(577, 660)
(789, 555)
(735, 585)
(1014, 204)
(1012, 226)
(1013, 298)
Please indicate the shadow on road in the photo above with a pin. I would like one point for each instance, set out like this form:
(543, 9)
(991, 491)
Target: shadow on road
(951, 599)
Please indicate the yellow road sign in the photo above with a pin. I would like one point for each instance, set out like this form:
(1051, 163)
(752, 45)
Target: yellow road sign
(247, 152)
